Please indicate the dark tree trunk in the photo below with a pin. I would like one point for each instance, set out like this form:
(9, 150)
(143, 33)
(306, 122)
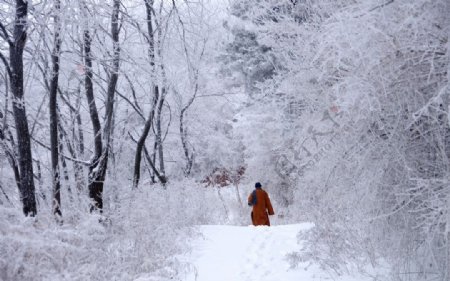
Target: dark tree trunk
(54, 144)
(141, 143)
(158, 136)
(97, 169)
(152, 165)
(112, 83)
(80, 146)
(95, 181)
(155, 91)
(16, 47)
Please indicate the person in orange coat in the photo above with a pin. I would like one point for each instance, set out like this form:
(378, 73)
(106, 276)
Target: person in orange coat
(262, 208)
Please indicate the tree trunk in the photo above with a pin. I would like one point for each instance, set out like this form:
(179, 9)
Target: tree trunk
(162, 97)
(65, 170)
(155, 91)
(158, 136)
(56, 183)
(97, 169)
(16, 47)
(141, 142)
(112, 83)
(152, 165)
(80, 146)
(183, 131)
(95, 183)
(187, 154)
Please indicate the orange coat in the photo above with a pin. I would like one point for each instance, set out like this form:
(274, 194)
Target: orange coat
(262, 208)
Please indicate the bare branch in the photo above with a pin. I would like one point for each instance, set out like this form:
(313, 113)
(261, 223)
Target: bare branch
(86, 163)
(4, 34)
(382, 5)
(5, 62)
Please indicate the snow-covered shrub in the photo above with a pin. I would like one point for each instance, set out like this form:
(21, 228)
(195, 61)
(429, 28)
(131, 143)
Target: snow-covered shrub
(140, 237)
(365, 142)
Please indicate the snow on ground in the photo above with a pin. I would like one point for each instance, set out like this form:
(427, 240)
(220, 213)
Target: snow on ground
(236, 253)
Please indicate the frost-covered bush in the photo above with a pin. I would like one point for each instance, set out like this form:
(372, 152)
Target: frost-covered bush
(140, 237)
(356, 126)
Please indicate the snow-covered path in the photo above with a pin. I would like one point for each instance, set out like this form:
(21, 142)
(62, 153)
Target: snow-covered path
(236, 253)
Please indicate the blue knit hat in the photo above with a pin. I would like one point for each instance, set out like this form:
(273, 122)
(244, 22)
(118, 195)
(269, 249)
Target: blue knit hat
(257, 185)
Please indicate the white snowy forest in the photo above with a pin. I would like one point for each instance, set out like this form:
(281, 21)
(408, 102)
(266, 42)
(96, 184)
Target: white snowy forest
(130, 130)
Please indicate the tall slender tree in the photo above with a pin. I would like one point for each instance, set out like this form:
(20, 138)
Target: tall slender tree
(16, 44)
(56, 183)
(98, 166)
(150, 36)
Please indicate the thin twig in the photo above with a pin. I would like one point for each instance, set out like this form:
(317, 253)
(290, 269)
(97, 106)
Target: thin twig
(5, 62)
(87, 163)
(6, 195)
(381, 6)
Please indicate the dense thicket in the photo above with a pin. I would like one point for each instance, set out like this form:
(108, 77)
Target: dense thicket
(357, 96)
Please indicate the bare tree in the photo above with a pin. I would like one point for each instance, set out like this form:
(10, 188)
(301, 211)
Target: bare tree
(189, 155)
(98, 166)
(193, 71)
(16, 44)
(157, 103)
(56, 183)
